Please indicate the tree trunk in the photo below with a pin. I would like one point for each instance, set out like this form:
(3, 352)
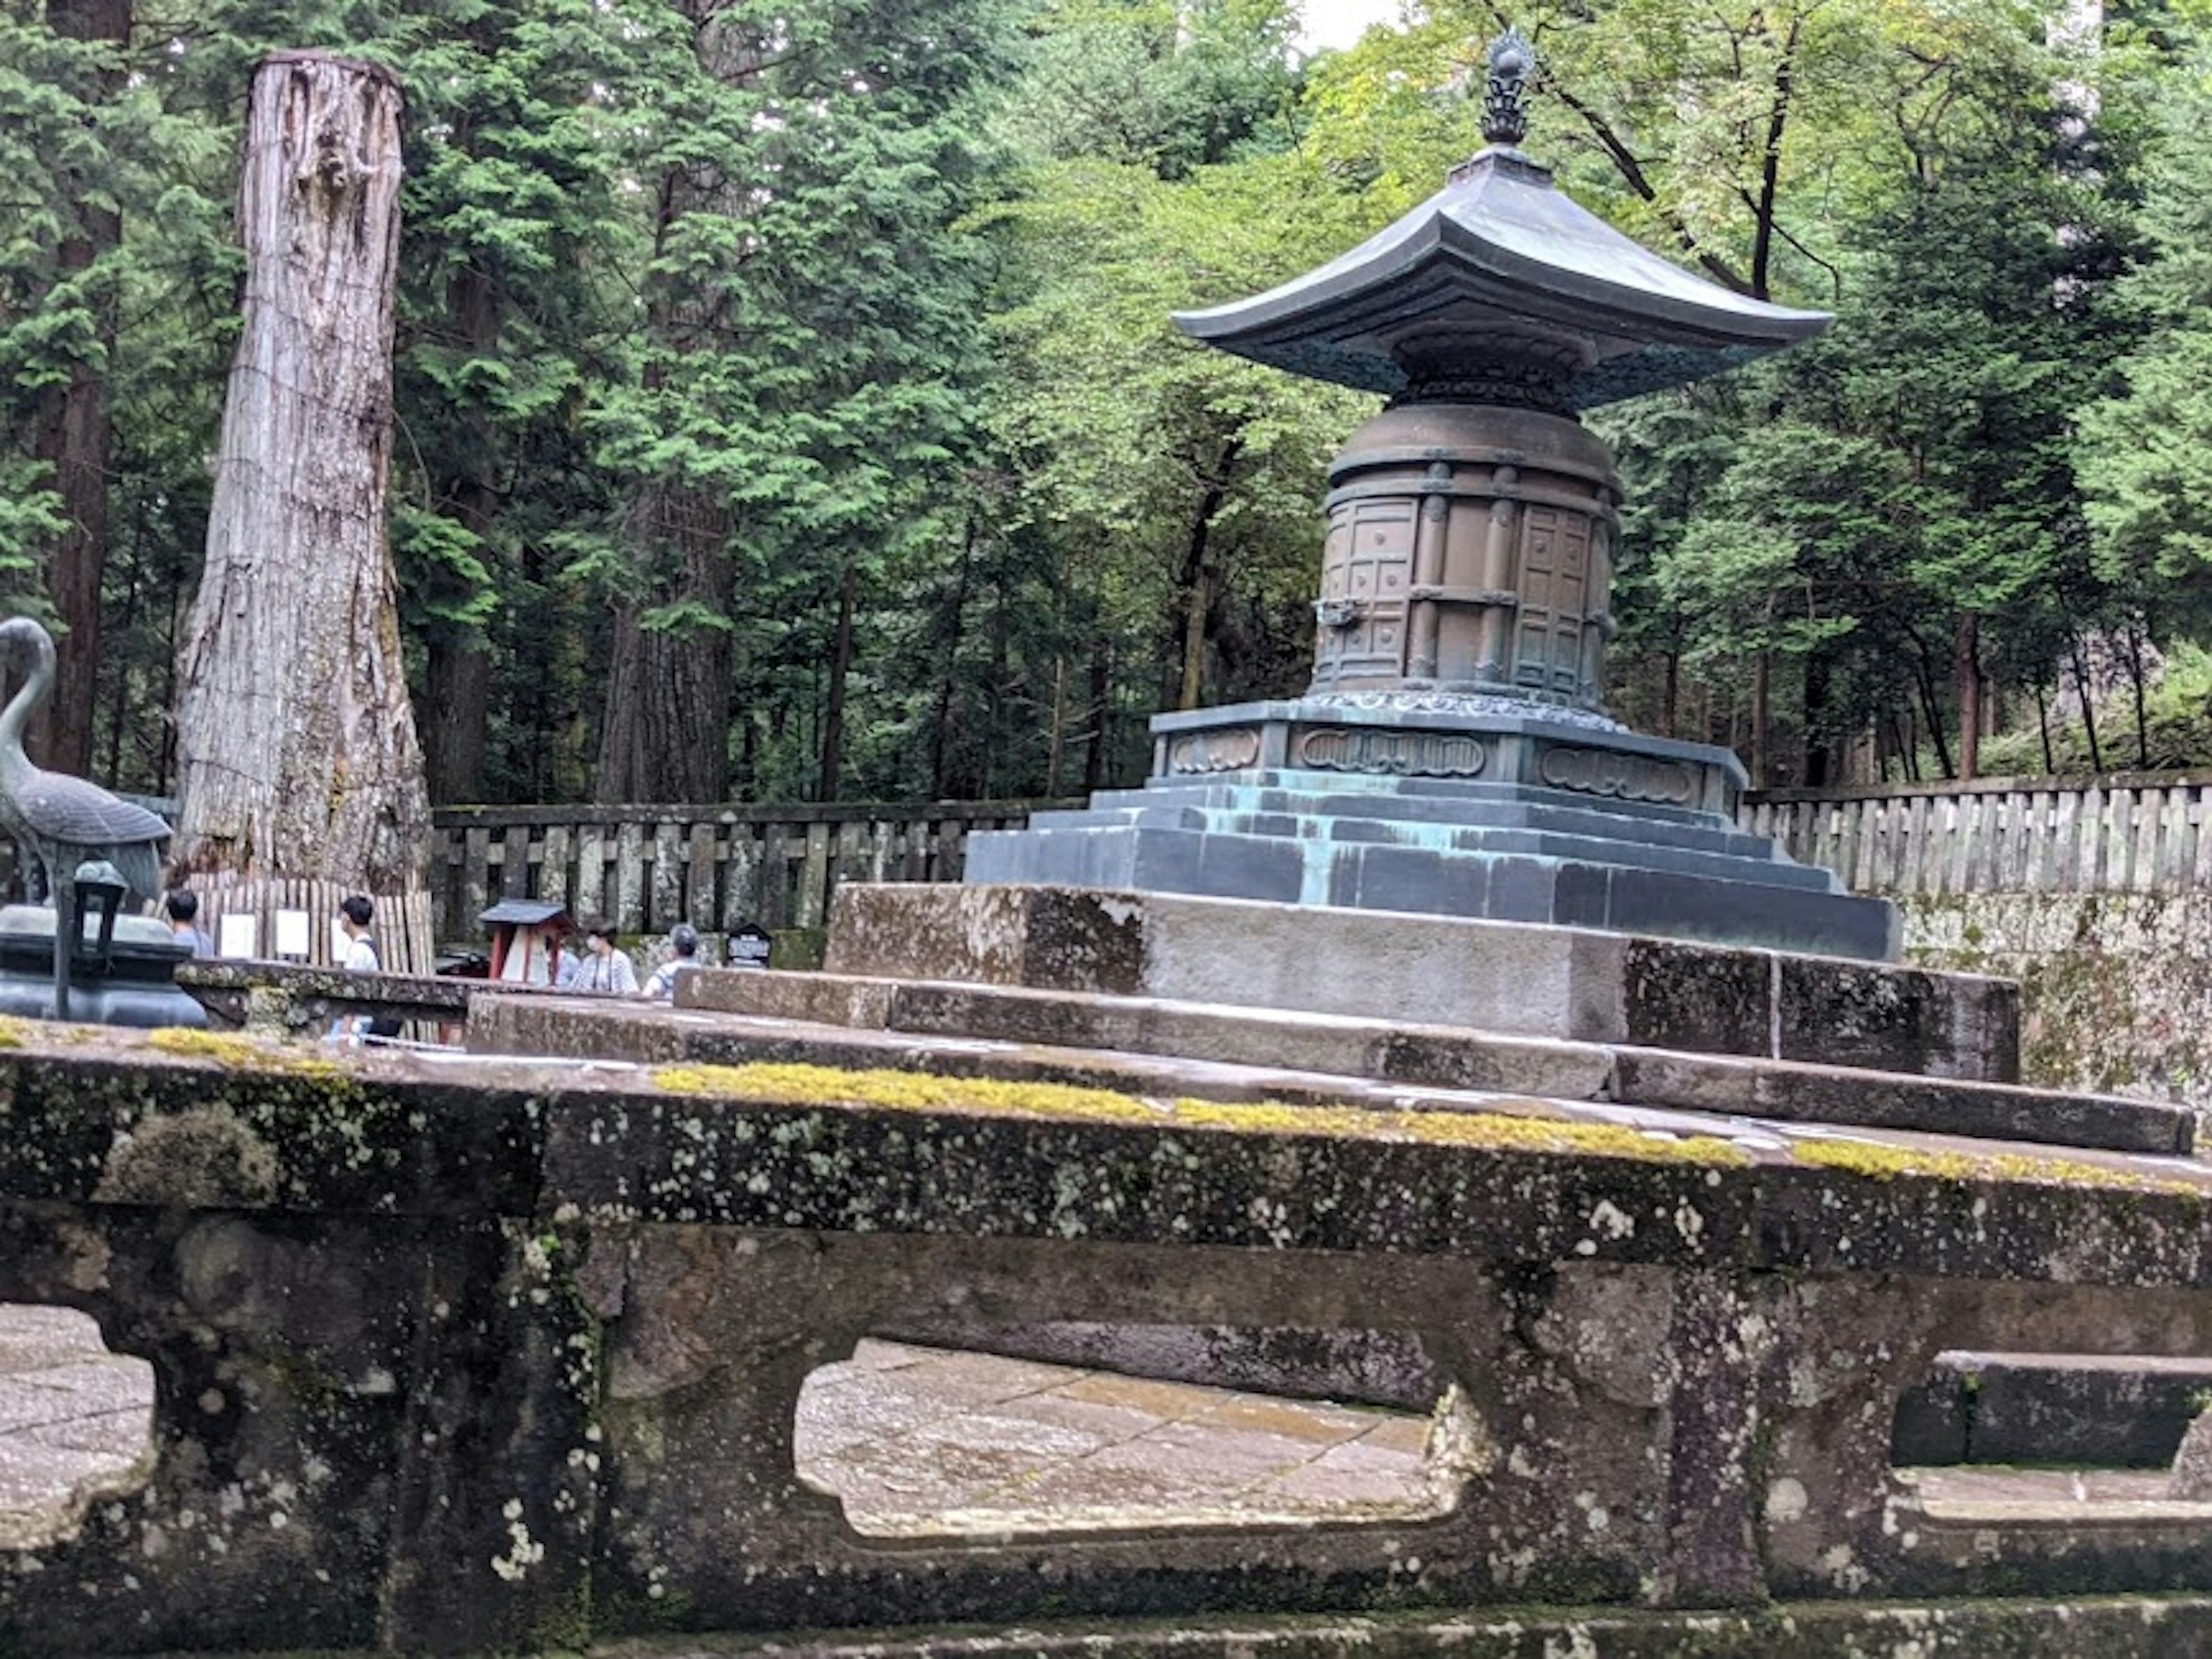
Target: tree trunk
(666, 734)
(296, 746)
(1055, 738)
(1822, 762)
(74, 434)
(457, 680)
(2088, 706)
(2136, 679)
(941, 732)
(1197, 584)
(1762, 720)
(1970, 694)
(841, 664)
(1924, 675)
(1102, 723)
(455, 736)
(454, 742)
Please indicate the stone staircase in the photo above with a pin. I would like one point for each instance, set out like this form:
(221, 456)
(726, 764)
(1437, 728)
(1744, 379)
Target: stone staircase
(1048, 985)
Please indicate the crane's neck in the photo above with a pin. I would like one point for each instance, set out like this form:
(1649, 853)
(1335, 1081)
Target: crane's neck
(18, 713)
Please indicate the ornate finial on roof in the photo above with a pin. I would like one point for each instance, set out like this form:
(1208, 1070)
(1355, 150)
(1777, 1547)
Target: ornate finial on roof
(1505, 95)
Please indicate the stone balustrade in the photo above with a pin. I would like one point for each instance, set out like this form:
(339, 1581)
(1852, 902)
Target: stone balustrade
(463, 1356)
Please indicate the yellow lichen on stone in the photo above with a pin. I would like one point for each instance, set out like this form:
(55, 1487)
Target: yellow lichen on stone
(11, 1033)
(1887, 1163)
(1498, 1130)
(221, 1046)
(822, 1086)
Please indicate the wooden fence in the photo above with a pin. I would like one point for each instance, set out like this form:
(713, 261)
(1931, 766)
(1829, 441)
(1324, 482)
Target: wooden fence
(2144, 832)
(647, 868)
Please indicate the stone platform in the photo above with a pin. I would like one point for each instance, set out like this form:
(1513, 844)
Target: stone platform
(1517, 813)
(1583, 984)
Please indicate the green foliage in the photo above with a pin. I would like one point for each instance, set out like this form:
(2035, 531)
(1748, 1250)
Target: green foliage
(719, 319)
(2177, 720)
(2145, 464)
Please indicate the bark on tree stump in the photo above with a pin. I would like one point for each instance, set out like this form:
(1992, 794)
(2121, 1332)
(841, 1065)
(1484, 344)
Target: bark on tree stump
(298, 755)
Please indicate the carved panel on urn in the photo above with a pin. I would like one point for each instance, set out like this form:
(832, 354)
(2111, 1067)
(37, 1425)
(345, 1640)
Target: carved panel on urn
(1554, 600)
(1618, 776)
(1366, 571)
(1391, 753)
(1196, 753)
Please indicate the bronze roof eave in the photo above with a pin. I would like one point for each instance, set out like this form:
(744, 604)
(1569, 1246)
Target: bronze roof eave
(1648, 324)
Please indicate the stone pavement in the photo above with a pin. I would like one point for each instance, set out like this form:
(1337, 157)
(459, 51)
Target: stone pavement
(75, 1420)
(919, 1441)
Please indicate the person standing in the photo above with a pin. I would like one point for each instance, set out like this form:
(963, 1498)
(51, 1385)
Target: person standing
(182, 906)
(356, 916)
(606, 971)
(683, 952)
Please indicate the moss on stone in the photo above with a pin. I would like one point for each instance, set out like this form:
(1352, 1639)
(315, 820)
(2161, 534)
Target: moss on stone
(819, 1085)
(1887, 1163)
(220, 1047)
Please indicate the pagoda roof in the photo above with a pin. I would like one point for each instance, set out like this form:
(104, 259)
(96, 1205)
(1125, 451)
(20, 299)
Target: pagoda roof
(1499, 252)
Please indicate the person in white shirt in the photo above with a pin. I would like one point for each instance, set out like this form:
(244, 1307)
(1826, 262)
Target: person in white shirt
(606, 971)
(356, 914)
(683, 952)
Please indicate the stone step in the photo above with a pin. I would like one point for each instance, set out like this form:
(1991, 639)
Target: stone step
(1504, 808)
(1281, 786)
(1435, 1056)
(2100, 1411)
(1610, 889)
(2017, 1627)
(1760, 868)
(1509, 978)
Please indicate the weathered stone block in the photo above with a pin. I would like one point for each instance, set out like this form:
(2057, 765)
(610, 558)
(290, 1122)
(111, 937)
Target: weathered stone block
(2098, 1411)
(1531, 979)
(1894, 1019)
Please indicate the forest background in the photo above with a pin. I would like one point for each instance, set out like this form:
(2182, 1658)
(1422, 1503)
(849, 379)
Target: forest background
(788, 406)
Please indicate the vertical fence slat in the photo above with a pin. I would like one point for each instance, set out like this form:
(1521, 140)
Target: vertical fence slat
(2150, 825)
(591, 893)
(813, 905)
(2200, 874)
(476, 874)
(556, 859)
(775, 881)
(514, 862)
(699, 907)
(665, 890)
(2118, 839)
(628, 907)
(2180, 857)
(741, 881)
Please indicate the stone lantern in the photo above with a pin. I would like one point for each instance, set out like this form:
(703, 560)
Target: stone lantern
(1453, 753)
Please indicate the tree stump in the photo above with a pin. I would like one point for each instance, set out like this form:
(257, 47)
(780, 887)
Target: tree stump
(298, 757)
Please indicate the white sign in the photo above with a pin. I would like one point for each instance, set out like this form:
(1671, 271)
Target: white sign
(293, 933)
(237, 936)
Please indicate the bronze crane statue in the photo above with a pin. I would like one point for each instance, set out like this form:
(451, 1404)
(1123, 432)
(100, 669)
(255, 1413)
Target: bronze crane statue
(60, 820)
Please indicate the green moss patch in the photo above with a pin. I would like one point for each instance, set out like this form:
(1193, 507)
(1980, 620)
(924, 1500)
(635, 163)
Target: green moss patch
(822, 1086)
